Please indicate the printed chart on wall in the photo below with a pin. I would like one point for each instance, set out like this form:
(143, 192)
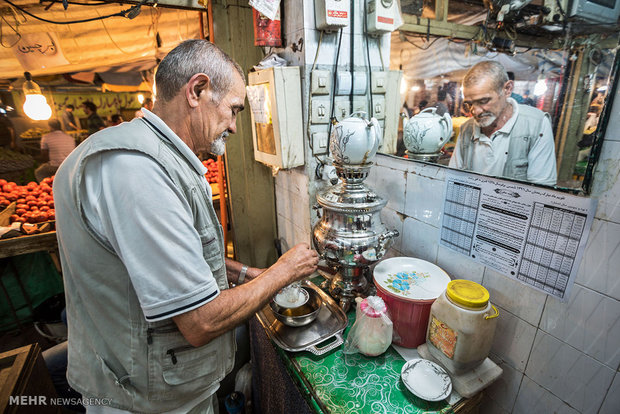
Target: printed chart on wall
(531, 234)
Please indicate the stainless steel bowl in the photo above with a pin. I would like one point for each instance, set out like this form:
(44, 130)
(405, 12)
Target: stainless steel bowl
(301, 315)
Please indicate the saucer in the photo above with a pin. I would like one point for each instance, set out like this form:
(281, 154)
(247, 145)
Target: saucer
(426, 379)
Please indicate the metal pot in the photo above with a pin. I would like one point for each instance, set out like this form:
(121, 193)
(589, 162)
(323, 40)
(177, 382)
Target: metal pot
(301, 315)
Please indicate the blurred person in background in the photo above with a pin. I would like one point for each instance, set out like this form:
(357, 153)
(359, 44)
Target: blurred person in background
(148, 104)
(94, 122)
(68, 119)
(442, 102)
(115, 119)
(55, 146)
(7, 131)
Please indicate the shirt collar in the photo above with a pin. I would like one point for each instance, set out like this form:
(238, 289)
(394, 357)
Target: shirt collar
(175, 140)
(507, 128)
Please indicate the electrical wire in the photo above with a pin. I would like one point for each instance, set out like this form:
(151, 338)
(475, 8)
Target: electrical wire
(420, 47)
(332, 119)
(309, 111)
(111, 39)
(372, 107)
(129, 13)
(77, 3)
(14, 29)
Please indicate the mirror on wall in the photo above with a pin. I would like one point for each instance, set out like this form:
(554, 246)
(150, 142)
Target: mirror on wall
(567, 74)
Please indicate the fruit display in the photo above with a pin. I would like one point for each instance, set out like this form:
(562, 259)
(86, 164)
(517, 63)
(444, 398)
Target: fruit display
(213, 170)
(34, 202)
(12, 161)
(33, 133)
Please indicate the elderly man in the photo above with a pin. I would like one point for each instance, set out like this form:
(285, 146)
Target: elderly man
(55, 147)
(503, 139)
(149, 307)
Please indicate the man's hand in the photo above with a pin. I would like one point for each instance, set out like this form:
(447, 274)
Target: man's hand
(300, 261)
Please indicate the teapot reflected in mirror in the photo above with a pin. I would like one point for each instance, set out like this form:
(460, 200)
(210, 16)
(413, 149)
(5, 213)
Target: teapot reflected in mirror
(426, 133)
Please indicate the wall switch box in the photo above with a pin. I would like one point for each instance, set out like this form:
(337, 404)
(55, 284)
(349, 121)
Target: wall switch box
(378, 105)
(319, 143)
(378, 82)
(321, 83)
(343, 83)
(321, 110)
(331, 14)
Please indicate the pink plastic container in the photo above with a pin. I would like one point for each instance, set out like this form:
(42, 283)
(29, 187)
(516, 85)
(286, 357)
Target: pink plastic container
(409, 286)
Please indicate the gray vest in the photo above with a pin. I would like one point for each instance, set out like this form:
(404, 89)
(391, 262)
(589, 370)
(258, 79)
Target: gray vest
(524, 134)
(114, 352)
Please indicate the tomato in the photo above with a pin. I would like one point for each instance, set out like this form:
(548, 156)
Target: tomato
(30, 197)
(41, 216)
(3, 182)
(47, 180)
(4, 203)
(21, 211)
(51, 203)
(33, 202)
(44, 208)
(51, 215)
(24, 206)
(13, 218)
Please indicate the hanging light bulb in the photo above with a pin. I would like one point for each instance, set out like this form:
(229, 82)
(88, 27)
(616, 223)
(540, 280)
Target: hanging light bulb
(541, 85)
(35, 106)
(140, 98)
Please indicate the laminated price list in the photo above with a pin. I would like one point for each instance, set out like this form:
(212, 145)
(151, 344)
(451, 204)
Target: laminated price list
(551, 247)
(531, 234)
(459, 216)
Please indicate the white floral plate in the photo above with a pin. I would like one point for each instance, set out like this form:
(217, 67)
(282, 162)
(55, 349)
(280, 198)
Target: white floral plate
(410, 278)
(426, 379)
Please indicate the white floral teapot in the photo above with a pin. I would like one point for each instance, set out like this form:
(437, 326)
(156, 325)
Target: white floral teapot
(426, 132)
(355, 140)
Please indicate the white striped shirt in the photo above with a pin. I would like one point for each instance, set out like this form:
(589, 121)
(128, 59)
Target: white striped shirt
(59, 146)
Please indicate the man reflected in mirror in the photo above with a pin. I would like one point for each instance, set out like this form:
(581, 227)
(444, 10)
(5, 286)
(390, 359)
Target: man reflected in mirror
(503, 138)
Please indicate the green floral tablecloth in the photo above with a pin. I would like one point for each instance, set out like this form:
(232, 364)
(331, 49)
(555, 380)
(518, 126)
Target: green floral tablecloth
(355, 384)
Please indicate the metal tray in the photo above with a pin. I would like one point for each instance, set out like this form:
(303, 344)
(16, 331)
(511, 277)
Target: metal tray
(329, 323)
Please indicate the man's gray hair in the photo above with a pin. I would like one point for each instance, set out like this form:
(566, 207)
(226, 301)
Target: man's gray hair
(189, 58)
(484, 70)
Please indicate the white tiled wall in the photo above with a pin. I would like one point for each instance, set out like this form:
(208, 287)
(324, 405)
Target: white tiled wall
(557, 357)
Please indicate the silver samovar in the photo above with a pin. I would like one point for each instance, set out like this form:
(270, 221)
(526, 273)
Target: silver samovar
(350, 235)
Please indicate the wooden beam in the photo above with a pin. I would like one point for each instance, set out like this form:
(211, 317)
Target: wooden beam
(250, 184)
(415, 24)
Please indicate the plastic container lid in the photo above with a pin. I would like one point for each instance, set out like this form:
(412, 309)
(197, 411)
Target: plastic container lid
(410, 279)
(467, 293)
(374, 310)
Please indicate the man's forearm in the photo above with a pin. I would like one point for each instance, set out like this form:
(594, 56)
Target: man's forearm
(230, 308)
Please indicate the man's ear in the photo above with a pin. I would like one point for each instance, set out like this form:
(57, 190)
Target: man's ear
(508, 87)
(196, 86)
